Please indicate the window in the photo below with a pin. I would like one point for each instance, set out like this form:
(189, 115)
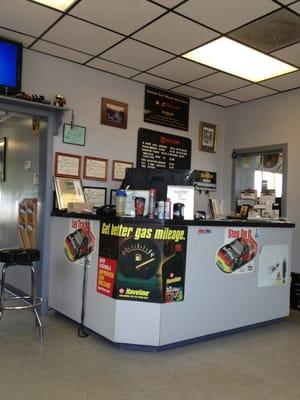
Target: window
(262, 169)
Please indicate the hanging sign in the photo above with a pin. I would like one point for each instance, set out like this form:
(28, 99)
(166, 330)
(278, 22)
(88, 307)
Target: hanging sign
(166, 108)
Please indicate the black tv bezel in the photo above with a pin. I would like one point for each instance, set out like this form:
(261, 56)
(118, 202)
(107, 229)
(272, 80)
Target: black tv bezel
(12, 90)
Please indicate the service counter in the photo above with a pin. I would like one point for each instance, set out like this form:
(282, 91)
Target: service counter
(154, 284)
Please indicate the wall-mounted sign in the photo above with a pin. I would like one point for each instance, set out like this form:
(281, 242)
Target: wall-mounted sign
(166, 108)
(206, 180)
(161, 150)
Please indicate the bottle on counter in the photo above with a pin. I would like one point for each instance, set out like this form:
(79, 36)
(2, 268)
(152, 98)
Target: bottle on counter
(152, 196)
(120, 202)
(167, 208)
(161, 209)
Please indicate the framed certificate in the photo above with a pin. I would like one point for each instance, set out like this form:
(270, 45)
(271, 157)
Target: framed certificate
(95, 168)
(74, 134)
(119, 169)
(67, 165)
(95, 195)
(112, 200)
(68, 190)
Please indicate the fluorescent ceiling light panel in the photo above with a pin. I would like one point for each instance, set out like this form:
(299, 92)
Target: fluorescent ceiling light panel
(237, 59)
(61, 5)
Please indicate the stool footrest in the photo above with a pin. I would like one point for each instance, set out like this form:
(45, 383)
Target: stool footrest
(38, 302)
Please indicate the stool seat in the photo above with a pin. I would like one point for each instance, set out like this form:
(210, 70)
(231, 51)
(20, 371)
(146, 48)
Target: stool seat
(26, 257)
(19, 256)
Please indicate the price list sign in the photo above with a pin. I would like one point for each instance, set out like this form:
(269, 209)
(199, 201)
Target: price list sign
(162, 150)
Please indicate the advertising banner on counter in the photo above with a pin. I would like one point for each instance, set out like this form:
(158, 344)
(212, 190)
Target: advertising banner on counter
(237, 254)
(80, 242)
(142, 262)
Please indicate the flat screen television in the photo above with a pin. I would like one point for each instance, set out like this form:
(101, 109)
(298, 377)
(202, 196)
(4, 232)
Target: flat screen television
(10, 66)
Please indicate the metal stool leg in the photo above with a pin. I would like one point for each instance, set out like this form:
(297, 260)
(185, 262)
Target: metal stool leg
(2, 290)
(38, 321)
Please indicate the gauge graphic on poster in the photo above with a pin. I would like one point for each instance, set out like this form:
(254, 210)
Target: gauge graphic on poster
(139, 259)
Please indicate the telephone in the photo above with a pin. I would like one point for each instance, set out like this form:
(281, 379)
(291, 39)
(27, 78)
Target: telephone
(107, 209)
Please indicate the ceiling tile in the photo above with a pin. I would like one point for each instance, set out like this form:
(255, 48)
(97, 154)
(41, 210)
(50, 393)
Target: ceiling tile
(188, 34)
(112, 67)
(221, 101)
(192, 92)
(24, 39)
(60, 51)
(250, 93)
(154, 80)
(181, 70)
(285, 2)
(219, 83)
(286, 82)
(290, 54)
(226, 15)
(79, 35)
(124, 16)
(136, 55)
(272, 32)
(25, 17)
(169, 3)
(295, 7)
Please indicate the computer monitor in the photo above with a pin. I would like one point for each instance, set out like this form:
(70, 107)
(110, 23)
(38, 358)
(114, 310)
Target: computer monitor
(10, 66)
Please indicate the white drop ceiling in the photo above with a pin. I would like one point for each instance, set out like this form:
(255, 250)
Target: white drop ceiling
(143, 40)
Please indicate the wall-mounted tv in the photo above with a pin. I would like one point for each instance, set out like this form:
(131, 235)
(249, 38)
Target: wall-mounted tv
(10, 66)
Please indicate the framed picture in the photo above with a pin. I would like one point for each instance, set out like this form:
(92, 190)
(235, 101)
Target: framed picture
(68, 190)
(74, 134)
(114, 113)
(119, 169)
(112, 200)
(95, 168)
(244, 210)
(2, 159)
(95, 195)
(67, 165)
(207, 137)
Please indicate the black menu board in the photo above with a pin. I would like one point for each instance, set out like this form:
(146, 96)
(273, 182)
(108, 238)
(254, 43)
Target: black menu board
(162, 150)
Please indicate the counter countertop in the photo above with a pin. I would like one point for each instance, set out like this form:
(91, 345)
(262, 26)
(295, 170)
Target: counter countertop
(167, 222)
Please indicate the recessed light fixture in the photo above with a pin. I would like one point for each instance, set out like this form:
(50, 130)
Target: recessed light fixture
(237, 59)
(61, 5)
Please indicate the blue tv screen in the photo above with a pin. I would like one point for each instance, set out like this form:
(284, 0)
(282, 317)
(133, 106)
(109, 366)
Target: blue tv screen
(10, 66)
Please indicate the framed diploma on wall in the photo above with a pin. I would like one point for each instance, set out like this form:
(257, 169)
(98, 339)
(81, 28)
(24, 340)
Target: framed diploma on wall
(119, 169)
(67, 165)
(68, 190)
(95, 195)
(95, 168)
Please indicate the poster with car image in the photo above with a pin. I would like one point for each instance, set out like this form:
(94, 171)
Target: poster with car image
(80, 241)
(237, 254)
(149, 259)
(273, 265)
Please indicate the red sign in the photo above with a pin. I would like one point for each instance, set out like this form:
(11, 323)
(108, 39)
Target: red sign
(106, 275)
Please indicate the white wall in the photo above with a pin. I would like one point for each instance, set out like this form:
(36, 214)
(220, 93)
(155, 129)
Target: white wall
(84, 87)
(263, 122)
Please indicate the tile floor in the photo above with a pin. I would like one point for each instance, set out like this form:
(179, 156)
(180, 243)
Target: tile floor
(258, 364)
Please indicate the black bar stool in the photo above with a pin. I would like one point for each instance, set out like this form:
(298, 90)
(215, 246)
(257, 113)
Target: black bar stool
(24, 257)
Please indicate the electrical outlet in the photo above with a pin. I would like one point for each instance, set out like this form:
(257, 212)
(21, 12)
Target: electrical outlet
(35, 178)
